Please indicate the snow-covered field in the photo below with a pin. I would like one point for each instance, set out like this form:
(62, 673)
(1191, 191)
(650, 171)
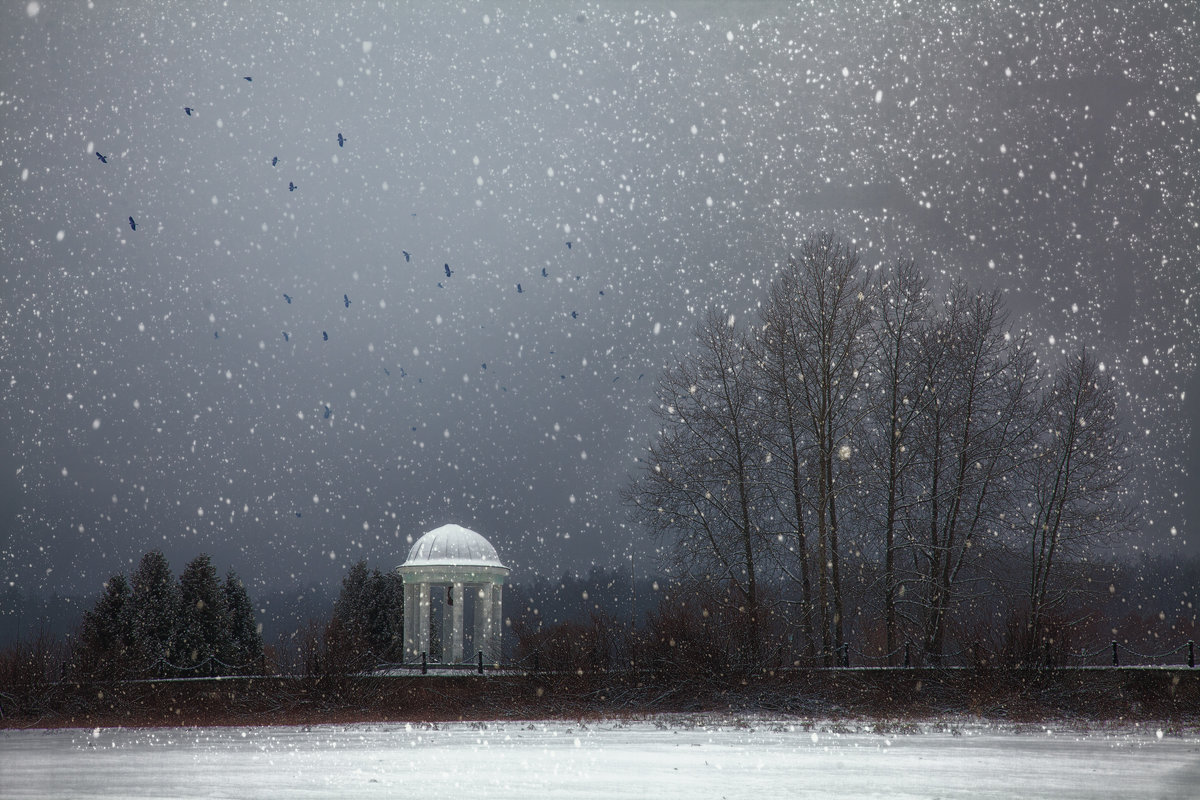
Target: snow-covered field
(658, 758)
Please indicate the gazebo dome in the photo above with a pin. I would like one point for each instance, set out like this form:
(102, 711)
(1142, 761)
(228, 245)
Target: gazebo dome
(452, 545)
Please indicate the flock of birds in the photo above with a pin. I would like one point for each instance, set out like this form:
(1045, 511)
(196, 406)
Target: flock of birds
(341, 141)
(292, 187)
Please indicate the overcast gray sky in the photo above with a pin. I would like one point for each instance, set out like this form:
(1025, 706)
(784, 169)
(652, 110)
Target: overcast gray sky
(151, 398)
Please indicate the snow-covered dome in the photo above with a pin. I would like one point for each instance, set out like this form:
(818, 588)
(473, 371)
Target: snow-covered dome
(452, 545)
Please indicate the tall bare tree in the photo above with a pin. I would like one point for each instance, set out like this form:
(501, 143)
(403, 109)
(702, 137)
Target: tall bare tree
(973, 434)
(901, 391)
(829, 300)
(699, 486)
(788, 472)
(1075, 484)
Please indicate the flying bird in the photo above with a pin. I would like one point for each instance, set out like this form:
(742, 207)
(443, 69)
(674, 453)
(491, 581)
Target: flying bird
(449, 271)
(342, 140)
(346, 298)
(407, 256)
(288, 297)
(102, 157)
(132, 224)
(299, 514)
(387, 372)
(544, 275)
(440, 285)
(568, 245)
(324, 336)
(328, 413)
(291, 186)
(602, 293)
(248, 79)
(286, 338)
(216, 335)
(187, 111)
(274, 160)
(519, 289)
(484, 365)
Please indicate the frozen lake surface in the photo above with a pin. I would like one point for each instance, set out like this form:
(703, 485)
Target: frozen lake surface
(669, 757)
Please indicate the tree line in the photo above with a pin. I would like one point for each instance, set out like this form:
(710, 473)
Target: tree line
(152, 625)
(869, 460)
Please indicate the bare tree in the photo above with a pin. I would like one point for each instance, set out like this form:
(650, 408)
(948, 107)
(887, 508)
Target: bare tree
(699, 486)
(973, 434)
(828, 297)
(900, 395)
(1075, 484)
(787, 472)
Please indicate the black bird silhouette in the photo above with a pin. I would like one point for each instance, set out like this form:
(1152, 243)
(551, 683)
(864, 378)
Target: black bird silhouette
(640, 376)
(484, 365)
(248, 79)
(568, 245)
(102, 157)
(519, 289)
(403, 374)
(216, 335)
(387, 372)
(299, 514)
(325, 336)
(342, 140)
(449, 271)
(347, 299)
(544, 275)
(286, 338)
(187, 111)
(328, 413)
(440, 285)
(132, 224)
(602, 293)
(291, 186)
(274, 160)
(574, 315)
(407, 256)
(288, 297)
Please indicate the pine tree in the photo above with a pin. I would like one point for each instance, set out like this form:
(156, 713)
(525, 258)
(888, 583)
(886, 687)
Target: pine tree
(203, 635)
(367, 624)
(244, 646)
(154, 614)
(105, 648)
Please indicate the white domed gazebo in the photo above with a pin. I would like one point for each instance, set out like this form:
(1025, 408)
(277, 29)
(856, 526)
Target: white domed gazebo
(469, 569)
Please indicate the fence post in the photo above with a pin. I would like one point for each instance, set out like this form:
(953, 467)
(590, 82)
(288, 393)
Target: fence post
(1191, 653)
(480, 662)
(907, 660)
(1114, 646)
(424, 664)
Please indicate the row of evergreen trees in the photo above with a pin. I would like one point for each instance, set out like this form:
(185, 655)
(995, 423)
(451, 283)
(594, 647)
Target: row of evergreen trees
(151, 625)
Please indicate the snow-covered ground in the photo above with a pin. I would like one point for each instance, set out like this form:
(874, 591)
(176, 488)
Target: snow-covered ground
(659, 758)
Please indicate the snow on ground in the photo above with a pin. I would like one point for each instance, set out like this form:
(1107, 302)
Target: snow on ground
(669, 757)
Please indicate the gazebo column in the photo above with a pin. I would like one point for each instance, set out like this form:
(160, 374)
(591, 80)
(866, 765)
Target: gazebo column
(483, 621)
(422, 618)
(497, 621)
(456, 625)
(411, 652)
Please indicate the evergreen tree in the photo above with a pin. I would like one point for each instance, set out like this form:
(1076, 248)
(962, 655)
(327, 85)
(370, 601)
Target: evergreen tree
(203, 635)
(367, 624)
(244, 645)
(154, 614)
(106, 642)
